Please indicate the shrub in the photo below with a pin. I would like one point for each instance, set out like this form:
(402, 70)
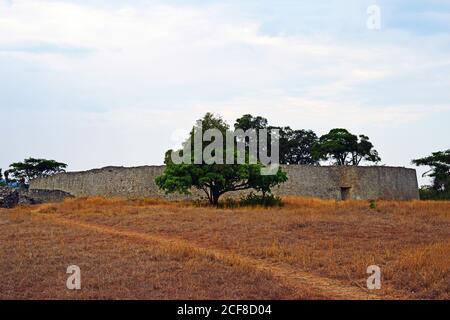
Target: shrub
(427, 193)
(265, 200)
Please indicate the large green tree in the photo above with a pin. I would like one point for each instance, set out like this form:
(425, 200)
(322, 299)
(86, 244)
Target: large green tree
(345, 148)
(214, 178)
(247, 121)
(439, 162)
(295, 146)
(32, 168)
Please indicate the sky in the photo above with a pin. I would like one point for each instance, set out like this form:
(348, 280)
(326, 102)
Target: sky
(97, 83)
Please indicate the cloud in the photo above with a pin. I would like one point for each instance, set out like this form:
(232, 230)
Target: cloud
(159, 46)
(42, 48)
(139, 71)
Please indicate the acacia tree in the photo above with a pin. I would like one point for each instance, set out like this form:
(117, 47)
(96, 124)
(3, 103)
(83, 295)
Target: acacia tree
(440, 169)
(214, 179)
(345, 148)
(32, 168)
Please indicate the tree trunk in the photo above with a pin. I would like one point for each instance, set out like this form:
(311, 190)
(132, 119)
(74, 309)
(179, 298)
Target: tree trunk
(215, 195)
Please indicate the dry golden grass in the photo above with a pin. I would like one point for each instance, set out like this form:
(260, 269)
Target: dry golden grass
(147, 248)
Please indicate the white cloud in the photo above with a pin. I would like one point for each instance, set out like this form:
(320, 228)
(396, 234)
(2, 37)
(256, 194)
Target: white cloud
(195, 59)
(168, 46)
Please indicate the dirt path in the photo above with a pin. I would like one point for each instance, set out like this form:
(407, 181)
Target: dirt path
(288, 275)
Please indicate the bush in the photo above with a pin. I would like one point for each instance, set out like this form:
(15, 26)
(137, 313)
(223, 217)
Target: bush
(250, 200)
(265, 200)
(431, 194)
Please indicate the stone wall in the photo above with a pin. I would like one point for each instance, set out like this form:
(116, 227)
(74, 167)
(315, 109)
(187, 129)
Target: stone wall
(329, 182)
(36, 196)
(9, 198)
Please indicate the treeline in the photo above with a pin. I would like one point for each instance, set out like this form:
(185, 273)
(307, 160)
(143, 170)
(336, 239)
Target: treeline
(296, 147)
(339, 146)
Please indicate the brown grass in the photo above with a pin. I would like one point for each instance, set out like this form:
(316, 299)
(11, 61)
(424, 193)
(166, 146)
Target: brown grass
(147, 248)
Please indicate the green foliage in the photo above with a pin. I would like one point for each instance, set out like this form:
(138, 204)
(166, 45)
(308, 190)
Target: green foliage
(295, 145)
(428, 193)
(372, 204)
(247, 121)
(439, 172)
(34, 168)
(215, 179)
(250, 200)
(265, 200)
(345, 148)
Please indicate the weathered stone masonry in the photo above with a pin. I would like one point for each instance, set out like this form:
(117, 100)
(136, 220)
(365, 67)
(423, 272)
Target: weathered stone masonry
(329, 182)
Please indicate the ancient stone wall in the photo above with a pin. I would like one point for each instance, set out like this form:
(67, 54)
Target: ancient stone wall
(36, 196)
(330, 182)
(9, 198)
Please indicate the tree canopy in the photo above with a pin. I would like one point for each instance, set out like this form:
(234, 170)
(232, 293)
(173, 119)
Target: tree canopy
(295, 146)
(32, 168)
(247, 121)
(440, 169)
(345, 148)
(214, 179)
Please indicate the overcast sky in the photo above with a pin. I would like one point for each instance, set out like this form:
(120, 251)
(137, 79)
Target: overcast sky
(96, 83)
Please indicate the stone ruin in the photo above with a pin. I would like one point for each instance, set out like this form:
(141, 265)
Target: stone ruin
(327, 182)
(10, 198)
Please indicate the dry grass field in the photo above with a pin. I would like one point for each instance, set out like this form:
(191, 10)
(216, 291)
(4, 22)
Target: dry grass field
(151, 249)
